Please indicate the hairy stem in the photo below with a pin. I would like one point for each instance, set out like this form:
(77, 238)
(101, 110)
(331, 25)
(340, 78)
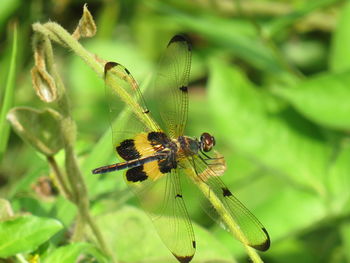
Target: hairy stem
(60, 178)
(53, 32)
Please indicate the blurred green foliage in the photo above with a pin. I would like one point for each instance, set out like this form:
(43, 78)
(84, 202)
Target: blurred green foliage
(269, 79)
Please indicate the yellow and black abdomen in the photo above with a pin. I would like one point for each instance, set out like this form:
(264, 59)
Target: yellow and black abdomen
(154, 153)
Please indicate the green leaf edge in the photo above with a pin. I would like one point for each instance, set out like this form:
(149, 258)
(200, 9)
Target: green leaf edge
(8, 96)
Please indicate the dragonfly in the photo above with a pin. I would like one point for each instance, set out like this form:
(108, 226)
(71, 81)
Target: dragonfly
(158, 157)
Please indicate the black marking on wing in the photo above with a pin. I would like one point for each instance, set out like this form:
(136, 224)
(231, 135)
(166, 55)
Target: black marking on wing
(127, 150)
(146, 111)
(226, 192)
(183, 259)
(127, 71)
(183, 89)
(181, 38)
(160, 138)
(110, 65)
(194, 244)
(157, 138)
(178, 195)
(166, 165)
(136, 174)
(265, 246)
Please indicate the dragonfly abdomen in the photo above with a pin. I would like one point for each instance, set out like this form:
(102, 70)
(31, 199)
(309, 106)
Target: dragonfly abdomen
(127, 165)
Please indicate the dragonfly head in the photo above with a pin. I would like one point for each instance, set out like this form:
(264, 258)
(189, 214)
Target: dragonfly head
(206, 142)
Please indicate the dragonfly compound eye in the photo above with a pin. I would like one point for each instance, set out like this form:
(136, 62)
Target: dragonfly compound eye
(207, 142)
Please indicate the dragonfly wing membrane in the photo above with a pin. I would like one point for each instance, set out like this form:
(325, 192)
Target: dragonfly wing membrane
(254, 232)
(121, 89)
(155, 161)
(171, 85)
(162, 200)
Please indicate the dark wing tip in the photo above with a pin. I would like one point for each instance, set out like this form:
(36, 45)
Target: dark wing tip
(181, 38)
(266, 245)
(110, 65)
(183, 259)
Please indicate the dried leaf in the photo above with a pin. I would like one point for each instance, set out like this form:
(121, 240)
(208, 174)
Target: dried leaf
(44, 84)
(6, 211)
(45, 188)
(86, 26)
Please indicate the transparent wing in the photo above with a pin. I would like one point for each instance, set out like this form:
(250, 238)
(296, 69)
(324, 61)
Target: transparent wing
(171, 85)
(124, 96)
(254, 232)
(162, 199)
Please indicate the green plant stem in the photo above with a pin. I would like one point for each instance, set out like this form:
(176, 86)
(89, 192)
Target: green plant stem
(60, 179)
(79, 228)
(79, 195)
(58, 34)
(77, 48)
(61, 36)
(98, 234)
(76, 180)
(111, 80)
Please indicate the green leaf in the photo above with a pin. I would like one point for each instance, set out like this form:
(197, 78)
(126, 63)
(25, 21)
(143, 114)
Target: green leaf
(6, 9)
(228, 34)
(100, 155)
(323, 99)
(8, 96)
(133, 238)
(306, 7)
(340, 52)
(296, 250)
(239, 37)
(71, 252)
(262, 128)
(41, 129)
(304, 209)
(25, 234)
(338, 180)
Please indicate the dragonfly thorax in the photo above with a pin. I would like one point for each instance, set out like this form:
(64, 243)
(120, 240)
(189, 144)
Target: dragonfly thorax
(191, 146)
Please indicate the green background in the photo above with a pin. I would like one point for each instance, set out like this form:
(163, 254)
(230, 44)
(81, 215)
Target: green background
(269, 79)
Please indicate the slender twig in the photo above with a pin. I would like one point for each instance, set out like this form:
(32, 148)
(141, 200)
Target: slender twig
(58, 34)
(98, 234)
(59, 176)
(53, 32)
(79, 228)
